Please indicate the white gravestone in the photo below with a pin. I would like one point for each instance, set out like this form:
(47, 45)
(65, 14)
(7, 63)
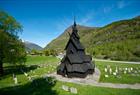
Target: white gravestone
(116, 70)
(105, 69)
(106, 76)
(73, 90)
(15, 79)
(126, 69)
(64, 87)
(110, 71)
(114, 73)
(25, 74)
(131, 69)
(125, 72)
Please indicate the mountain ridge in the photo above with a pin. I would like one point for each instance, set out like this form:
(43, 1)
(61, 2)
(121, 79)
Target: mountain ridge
(29, 46)
(118, 40)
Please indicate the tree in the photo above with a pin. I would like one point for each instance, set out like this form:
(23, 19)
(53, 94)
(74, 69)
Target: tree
(53, 52)
(47, 52)
(34, 52)
(11, 47)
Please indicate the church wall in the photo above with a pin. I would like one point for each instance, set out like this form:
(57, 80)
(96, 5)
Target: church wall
(70, 47)
(81, 53)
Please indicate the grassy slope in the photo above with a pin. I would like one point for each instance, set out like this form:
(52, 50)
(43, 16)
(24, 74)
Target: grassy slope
(60, 42)
(118, 40)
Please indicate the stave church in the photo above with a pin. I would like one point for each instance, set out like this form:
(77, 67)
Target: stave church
(75, 63)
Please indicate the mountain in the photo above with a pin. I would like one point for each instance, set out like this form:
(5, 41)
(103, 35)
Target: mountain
(29, 46)
(60, 42)
(119, 40)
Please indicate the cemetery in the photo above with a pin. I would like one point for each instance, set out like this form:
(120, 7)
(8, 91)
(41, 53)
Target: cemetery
(98, 56)
(119, 72)
(39, 72)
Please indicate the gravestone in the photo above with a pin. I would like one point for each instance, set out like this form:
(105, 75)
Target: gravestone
(105, 69)
(106, 76)
(131, 69)
(15, 79)
(64, 87)
(25, 74)
(110, 71)
(73, 90)
(125, 72)
(114, 73)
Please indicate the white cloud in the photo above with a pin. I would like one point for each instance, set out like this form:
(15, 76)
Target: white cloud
(121, 4)
(107, 9)
(87, 17)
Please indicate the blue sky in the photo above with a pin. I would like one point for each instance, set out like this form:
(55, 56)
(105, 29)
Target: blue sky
(44, 20)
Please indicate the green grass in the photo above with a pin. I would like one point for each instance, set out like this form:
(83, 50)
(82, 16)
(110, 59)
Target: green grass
(41, 60)
(42, 70)
(48, 64)
(41, 87)
(26, 87)
(92, 90)
(124, 78)
(33, 64)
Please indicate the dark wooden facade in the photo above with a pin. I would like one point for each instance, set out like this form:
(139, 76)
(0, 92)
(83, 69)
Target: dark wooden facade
(75, 63)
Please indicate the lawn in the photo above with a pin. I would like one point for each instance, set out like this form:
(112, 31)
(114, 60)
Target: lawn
(44, 88)
(31, 60)
(45, 64)
(37, 66)
(130, 78)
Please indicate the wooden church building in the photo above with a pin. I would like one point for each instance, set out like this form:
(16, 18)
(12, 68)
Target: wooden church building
(75, 63)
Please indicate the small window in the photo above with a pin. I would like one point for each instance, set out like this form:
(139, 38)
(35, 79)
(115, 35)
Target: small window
(71, 51)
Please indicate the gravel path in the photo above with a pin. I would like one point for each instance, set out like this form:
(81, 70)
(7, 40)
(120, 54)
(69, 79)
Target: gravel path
(94, 81)
(116, 61)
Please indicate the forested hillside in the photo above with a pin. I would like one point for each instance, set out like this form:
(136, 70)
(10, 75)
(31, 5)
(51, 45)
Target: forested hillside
(117, 41)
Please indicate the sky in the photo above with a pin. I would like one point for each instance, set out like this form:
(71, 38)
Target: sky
(44, 20)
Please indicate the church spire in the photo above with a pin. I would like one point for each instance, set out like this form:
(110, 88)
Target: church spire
(74, 25)
(74, 30)
(74, 21)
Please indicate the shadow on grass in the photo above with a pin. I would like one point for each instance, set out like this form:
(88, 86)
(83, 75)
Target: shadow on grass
(36, 87)
(9, 70)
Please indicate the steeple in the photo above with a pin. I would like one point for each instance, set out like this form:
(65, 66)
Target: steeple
(75, 31)
(74, 22)
(74, 38)
(74, 26)
(75, 63)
